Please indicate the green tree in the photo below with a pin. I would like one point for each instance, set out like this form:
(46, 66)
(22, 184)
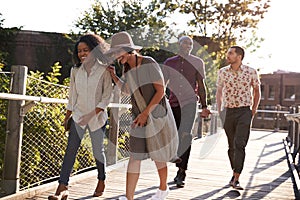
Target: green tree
(225, 22)
(145, 22)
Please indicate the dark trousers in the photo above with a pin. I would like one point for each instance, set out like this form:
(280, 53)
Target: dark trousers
(184, 118)
(237, 127)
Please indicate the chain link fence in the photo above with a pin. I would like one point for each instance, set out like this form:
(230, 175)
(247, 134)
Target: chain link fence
(124, 128)
(44, 139)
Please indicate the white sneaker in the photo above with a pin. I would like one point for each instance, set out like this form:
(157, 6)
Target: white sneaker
(122, 198)
(160, 194)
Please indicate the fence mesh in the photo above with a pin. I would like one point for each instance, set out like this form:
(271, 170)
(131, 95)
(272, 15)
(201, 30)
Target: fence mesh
(124, 128)
(44, 140)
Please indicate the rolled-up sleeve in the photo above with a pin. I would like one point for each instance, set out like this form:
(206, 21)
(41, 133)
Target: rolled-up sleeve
(255, 79)
(219, 82)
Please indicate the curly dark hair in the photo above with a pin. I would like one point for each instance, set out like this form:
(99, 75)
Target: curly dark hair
(97, 46)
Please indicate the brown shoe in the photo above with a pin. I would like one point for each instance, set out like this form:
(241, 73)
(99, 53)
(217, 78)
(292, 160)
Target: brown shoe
(99, 189)
(60, 194)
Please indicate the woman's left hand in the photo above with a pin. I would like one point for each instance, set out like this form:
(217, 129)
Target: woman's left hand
(140, 120)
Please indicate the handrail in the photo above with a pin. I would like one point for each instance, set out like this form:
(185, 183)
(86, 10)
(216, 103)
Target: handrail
(274, 111)
(31, 98)
(51, 100)
(293, 117)
(115, 105)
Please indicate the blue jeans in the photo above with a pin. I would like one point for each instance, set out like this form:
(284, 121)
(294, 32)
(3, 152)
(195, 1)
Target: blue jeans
(76, 134)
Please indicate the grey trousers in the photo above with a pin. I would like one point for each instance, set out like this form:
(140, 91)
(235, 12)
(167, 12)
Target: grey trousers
(184, 118)
(237, 126)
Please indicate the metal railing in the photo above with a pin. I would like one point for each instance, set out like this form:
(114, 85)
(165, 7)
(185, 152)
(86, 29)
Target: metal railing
(292, 145)
(293, 138)
(32, 128)
(34, 121)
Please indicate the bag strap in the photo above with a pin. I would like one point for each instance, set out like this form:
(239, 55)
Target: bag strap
(140, 101)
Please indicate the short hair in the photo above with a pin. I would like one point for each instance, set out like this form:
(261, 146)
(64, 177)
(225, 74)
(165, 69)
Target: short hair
(184, 37)
(239, 50)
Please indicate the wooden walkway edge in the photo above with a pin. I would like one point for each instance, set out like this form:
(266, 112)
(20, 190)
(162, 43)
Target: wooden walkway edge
(266, 174)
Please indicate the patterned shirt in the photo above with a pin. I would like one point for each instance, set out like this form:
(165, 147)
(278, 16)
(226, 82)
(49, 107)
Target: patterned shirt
(237, 85)
(183, 74)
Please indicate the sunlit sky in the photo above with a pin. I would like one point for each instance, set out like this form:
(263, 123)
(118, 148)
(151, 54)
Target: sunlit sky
(278, 51)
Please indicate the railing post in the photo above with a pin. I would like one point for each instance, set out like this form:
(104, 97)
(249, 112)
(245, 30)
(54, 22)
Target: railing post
(200, 126)
(214, 120)
(291, 131)
(113, 129)
(296, 135)
(12, 155)
(278, 108)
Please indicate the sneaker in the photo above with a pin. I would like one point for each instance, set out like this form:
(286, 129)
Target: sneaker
(160, 194)
(236, 185)
(122, 198)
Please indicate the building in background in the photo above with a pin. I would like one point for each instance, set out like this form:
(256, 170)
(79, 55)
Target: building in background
(40, 51)
(279, 91)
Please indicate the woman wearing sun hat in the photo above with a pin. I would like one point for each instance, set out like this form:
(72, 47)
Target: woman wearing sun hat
(147, 75)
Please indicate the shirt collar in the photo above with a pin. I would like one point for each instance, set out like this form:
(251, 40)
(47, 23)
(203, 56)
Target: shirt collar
(183, 57)
(241, 68)
(96, 65)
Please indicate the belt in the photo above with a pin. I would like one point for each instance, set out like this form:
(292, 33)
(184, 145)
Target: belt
(238, 108)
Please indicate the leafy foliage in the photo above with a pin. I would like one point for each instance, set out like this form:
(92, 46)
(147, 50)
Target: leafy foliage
(44, 140)
(145, 23)
(4, 87)
(225, 22)
(52, 76)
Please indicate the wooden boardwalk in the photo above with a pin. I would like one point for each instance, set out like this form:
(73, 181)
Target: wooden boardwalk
(266, 173)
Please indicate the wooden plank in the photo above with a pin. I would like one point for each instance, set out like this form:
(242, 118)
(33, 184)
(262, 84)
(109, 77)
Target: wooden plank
(265, 176)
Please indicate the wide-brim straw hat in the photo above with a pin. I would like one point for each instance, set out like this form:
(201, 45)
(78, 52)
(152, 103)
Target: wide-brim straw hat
(122, 40)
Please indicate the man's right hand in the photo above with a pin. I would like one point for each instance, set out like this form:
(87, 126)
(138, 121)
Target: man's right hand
(205, 113)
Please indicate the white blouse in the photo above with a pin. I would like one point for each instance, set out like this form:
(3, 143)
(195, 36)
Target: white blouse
(89, 92)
